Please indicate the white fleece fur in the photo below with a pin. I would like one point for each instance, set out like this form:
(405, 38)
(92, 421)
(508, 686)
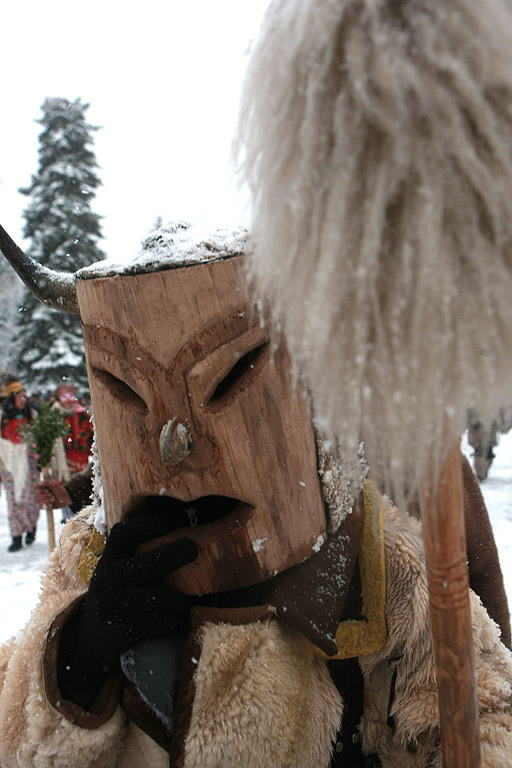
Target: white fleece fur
(376, 138)
(263, 700)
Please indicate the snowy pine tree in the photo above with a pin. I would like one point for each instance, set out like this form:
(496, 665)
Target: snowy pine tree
(64, 234)
(11, 290)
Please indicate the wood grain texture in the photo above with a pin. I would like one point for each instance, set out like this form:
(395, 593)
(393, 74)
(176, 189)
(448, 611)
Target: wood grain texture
(445, 540)
(50, 522)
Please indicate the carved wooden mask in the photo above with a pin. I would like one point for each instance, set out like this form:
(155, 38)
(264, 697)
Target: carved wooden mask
(194, 415)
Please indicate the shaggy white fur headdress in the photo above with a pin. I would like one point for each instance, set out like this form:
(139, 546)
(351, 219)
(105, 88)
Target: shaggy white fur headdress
(376, 138)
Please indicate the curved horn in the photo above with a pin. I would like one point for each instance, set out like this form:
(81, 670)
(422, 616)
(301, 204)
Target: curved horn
(55, 289)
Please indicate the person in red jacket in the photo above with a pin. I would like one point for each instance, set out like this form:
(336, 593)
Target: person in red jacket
(18, 464)
(78, 442)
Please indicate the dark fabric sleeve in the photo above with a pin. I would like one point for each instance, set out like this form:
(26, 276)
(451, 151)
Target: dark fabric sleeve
(485, 575)
(79, 488)
(107, 700)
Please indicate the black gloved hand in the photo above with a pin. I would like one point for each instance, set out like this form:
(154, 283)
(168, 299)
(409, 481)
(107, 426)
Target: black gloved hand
(126, 603)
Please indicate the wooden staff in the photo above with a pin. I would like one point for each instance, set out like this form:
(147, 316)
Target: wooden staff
(445, 548)
(49, 516)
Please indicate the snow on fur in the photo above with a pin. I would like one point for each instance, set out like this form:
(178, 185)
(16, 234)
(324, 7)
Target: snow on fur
(375, 137)
(341, 479)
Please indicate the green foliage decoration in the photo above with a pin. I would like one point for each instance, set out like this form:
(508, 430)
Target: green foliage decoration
(48, 425)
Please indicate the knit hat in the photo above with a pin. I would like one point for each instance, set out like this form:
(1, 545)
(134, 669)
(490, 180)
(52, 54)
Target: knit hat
(12, 387)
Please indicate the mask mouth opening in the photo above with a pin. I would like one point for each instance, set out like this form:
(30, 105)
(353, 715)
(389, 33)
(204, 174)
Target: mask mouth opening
(190, 514)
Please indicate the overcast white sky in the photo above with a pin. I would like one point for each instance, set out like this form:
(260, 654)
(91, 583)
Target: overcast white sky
(163, 80)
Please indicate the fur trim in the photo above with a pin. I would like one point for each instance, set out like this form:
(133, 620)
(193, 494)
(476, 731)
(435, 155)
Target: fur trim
(140, 751)
(100, 521)
(33, 733)
(263, 700)
(414, 743)
(341, 478)
(61, 571)
(375, 137)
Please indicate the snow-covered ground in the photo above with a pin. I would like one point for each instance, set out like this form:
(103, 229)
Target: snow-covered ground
(19, 572)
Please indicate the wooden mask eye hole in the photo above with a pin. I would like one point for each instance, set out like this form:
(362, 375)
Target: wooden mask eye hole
(119, 389)
(239, 373)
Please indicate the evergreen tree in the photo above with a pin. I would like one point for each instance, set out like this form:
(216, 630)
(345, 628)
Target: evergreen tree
(64, 235)
(11, 289)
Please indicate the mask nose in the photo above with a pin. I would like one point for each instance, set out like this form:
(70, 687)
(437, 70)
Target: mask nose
(175, 443)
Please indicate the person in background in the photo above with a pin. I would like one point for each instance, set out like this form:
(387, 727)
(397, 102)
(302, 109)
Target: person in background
(18, 465)
(484, 438)
(71, 453)
(78, 443)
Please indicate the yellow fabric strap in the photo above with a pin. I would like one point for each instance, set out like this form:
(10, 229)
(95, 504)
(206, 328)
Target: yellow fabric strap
(91, 555)
(367, 635)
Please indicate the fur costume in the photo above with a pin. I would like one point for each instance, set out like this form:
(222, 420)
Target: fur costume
(263, 698)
